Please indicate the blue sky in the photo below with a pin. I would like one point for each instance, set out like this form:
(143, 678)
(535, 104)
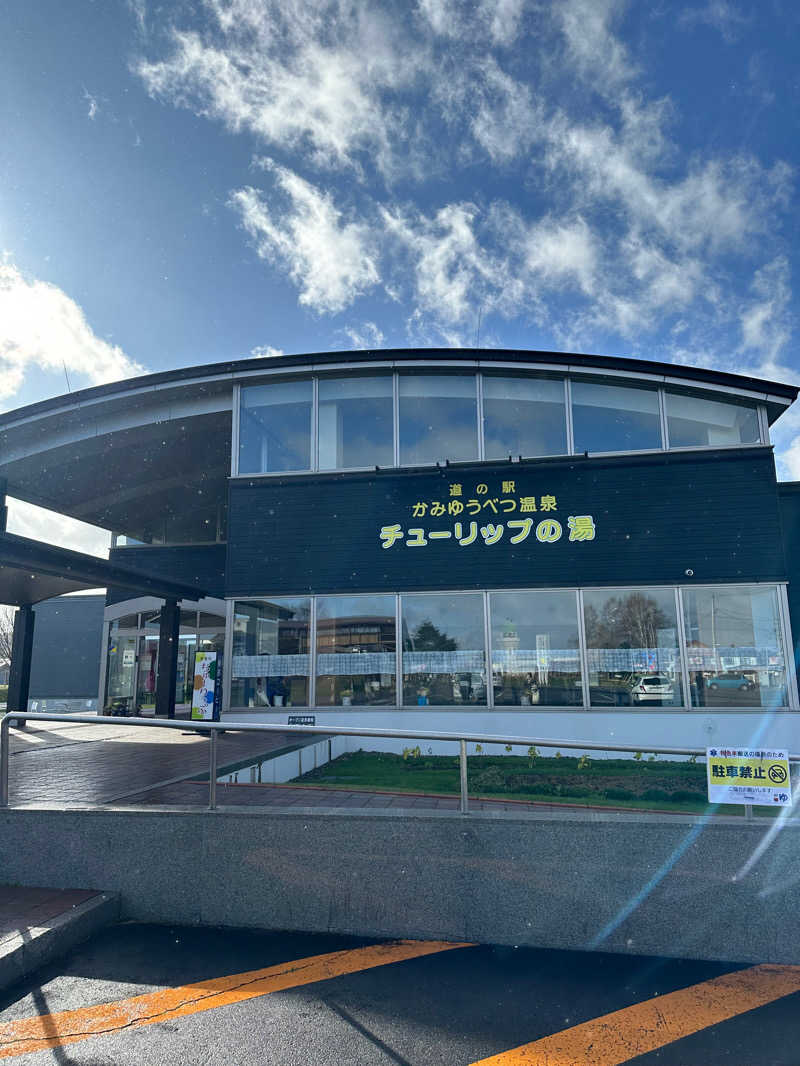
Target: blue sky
(188, 182)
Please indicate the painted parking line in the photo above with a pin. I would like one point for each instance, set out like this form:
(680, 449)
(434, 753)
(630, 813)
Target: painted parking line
(68, 1027)
(622, 1035)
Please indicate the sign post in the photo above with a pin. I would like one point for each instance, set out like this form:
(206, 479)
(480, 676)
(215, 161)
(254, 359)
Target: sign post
(207, 688)
(749, 776)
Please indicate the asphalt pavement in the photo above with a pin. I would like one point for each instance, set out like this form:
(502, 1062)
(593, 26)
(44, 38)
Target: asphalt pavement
(139, 994)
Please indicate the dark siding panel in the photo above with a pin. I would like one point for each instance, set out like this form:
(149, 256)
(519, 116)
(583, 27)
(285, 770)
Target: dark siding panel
(67, 635)
(202, 565)
(656, 517)
(789, 499)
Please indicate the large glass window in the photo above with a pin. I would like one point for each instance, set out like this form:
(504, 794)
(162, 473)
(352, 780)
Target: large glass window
(438, 418)
(523, 416)
(270, 665)
(275, 427)
(693, 421)
(734, 647)
(535, 656)
(614, 418)
(356, 416)
(356, 650)
(632, 647)
(123, 638)
(444, 660)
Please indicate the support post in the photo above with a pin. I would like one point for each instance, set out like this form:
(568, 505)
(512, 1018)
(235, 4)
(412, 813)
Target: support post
(5, 744)
(212, 770)
(168, 633)
(19, 677)
(462, 763)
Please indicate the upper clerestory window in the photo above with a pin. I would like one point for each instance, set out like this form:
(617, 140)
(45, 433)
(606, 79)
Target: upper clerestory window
(693, 421)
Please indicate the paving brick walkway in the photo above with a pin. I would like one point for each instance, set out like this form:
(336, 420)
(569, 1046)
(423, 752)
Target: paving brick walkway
(65, 763)
(195, 794)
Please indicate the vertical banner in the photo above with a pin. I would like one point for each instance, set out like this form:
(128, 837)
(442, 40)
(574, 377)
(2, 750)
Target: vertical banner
(207, 689)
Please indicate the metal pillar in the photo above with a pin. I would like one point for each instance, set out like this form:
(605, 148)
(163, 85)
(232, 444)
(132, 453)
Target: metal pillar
(168, 634)
(19, 677)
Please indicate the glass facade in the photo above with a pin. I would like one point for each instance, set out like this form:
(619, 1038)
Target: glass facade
(535, 648)
(133, 656)
(632, 647)
(356, 651)
(270, 660)
(362, 420)
(275, 427)
(614, 418)
(356, 416)
(735, 647)
(696, 422)
(438, 418)
(444, 657)
(624, 648)
(523, 416)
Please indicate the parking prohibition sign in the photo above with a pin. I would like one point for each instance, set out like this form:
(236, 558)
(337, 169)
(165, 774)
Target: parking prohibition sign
(749, 776)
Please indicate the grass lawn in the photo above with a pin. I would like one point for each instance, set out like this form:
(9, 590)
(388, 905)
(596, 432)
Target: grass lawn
(629, 783)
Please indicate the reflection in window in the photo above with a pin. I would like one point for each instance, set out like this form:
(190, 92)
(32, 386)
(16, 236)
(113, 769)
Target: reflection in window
(275, 427)
(632, 648)
(523, 416)
(694, 422)
(356, 661)
(443, 649)
(270, 652)
(438, 418)
(355, 422)
(535, 657)
(734, 647)
(614, 418)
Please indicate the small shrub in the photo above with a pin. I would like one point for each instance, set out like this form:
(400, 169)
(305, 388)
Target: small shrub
(685, 795)
(491, 779)
(659, 794)
(618, 793)
(584, 762)
(577, 791)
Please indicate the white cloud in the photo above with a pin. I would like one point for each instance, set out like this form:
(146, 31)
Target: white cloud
(320, 78)
(266, 351)
(595, 53)
(452, 273)
(41, 326)
(719, 15)
(365, 336)
(507, 119)
(52, 528)
(331, 261)
(94, 107)
(765, 321)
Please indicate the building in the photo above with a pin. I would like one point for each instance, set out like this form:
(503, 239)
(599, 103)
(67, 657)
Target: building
(528, 543)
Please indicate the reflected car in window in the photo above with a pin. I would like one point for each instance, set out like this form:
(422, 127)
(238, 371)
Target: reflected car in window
(731, 679)
(651, 687)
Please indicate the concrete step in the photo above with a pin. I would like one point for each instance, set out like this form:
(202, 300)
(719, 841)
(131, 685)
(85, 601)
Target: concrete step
(37, 925)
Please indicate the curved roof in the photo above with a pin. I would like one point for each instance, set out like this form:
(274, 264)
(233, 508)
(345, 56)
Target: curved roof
(150, 456)
(602, 364)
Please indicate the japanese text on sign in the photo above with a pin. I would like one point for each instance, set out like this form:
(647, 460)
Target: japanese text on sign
(468, 531)
(750, 776)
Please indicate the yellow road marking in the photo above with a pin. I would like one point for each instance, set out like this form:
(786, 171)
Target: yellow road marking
(70, 1026)
(622, 1035)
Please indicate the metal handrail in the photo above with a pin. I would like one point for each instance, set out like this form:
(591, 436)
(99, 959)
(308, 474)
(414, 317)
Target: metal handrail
(214, 728)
